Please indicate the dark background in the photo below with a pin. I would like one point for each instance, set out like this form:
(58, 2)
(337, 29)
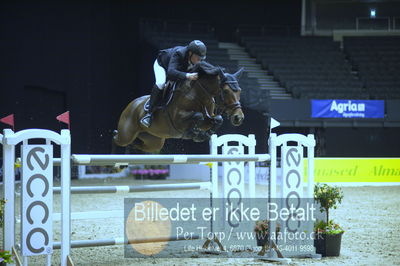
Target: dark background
(90, 57)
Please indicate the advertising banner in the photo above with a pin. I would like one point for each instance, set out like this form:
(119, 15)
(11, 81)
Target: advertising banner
(356, 170)
(347, 108)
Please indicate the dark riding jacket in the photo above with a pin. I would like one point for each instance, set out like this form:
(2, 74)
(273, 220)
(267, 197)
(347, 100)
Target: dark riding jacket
(175, 61)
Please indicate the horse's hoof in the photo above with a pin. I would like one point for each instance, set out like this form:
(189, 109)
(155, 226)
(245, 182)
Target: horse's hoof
(201, 137)
(196, 130)
(116, 169)
(218, 120)
(198, 116)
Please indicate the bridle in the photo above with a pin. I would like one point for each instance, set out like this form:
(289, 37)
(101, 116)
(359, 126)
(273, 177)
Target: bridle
(218, 99)
(221, 107)
(231, 107)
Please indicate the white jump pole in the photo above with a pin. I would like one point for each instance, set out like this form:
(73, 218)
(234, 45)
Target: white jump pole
(103, 159)
(116, 159)
(65, 197)
(252, 166)
(9, 191)
(132, 189)
(121, 241)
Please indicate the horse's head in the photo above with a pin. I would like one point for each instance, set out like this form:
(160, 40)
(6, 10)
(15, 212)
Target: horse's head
(230, 96)
(224, 87)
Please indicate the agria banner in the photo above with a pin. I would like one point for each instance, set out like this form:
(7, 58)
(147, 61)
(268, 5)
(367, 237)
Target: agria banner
(347, 108)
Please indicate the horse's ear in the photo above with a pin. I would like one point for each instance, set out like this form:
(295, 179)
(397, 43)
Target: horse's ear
(239, 73)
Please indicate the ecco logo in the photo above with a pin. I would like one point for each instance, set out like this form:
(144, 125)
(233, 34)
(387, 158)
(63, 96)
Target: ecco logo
(292, 160)
(37, 197)
(235, 180)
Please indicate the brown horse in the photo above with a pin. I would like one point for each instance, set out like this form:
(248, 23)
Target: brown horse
(192, 112)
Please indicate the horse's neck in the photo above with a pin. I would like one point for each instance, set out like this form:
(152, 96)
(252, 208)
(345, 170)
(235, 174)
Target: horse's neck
(204, 90)
(205, 98)
(189, 98)
(183, 87)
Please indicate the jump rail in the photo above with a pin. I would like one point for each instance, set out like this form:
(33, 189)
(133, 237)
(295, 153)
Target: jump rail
(120, 241)
(130, 189)
(91, 159)
(89, 215)
(111, 160)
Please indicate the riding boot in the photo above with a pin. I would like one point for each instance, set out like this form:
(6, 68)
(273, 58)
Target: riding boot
(154, 97)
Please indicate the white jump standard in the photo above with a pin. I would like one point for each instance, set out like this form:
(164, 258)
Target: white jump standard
(42, 155)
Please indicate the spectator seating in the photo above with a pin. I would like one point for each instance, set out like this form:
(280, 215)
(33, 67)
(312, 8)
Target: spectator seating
(377, 60)
(308, 67)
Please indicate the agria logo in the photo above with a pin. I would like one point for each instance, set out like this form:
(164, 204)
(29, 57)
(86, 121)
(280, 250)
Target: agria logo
(348, 106)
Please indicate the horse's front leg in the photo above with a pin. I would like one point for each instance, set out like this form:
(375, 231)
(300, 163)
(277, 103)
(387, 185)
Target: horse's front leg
(212, 120)
(196, 125)
(205, 122)
(196, 122)
(201, 125)
(206, 134)
(217, 122)
(213, 124)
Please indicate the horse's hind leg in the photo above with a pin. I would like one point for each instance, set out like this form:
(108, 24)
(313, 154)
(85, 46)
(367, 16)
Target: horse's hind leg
(127, 132)
(149, 143)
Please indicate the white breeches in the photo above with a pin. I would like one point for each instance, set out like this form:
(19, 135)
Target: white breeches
(161, 76)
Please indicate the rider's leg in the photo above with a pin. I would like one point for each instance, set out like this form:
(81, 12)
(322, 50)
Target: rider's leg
(156, 93)
(160, 75)
(155, 96)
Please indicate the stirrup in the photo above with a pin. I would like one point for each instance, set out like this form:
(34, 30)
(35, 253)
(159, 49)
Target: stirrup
(146, 120)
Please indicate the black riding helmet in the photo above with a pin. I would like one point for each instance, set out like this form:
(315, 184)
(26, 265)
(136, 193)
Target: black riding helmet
(199, 48)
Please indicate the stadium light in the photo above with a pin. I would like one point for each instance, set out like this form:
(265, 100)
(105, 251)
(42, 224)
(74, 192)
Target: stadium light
(372, 13)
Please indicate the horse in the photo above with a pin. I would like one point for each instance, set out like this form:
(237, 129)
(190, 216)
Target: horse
(194, 112)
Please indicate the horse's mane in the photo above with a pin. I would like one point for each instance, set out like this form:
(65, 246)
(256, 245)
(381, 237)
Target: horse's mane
(205, 68)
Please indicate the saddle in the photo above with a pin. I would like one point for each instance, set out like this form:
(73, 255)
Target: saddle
(168, 93)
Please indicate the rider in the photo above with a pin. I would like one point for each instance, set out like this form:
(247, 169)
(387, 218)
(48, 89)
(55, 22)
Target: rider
(174, 64)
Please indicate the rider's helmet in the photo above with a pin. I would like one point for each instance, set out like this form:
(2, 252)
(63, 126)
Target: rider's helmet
(199, 48)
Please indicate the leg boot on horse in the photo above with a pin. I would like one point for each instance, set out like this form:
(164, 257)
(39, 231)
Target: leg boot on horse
(155, 96)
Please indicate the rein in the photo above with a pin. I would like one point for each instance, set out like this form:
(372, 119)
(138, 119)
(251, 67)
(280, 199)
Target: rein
(231, 107)
(209, 96)
(205, 90)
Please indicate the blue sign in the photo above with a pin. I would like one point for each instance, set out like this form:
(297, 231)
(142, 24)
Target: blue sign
(347, 108)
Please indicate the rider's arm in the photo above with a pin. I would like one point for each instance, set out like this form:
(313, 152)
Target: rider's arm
(173, 73)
